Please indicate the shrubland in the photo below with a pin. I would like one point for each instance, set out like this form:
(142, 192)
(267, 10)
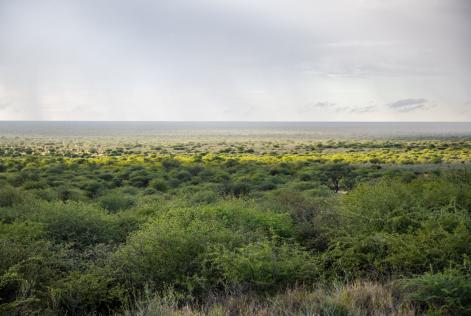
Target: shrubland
(334, 229)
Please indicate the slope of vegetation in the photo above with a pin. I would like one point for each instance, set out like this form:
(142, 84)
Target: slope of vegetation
(352, 228)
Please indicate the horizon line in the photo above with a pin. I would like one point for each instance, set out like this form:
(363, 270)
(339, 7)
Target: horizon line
(217, 121)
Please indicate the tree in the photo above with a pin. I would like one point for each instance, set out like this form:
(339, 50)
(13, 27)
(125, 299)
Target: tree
(332, 174)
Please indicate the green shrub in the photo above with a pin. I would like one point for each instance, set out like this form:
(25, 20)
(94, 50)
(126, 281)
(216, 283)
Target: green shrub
(93, 188)
(86, 293)
(48, 194)
(264, 265)
(170, 250)
(114, 202)
(77, 224)
(10, 196)
(173, 249)
(204, 197)
(66, 193)
(182, 175)
(449, 291)
(24, 287)
(240, 188)
(18, 241)
(246, 217)
(395, 228)
(159, 185)
(169, 163)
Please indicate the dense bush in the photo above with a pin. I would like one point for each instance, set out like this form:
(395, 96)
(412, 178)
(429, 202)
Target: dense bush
(448, 291)
(177, 245)
(114, 202)
(217, 228)
(10, 196)
(79, 225)
(393, 228)
(159, 185)
(264, 265)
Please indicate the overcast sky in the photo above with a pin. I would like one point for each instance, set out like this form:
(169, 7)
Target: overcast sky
(309, 60)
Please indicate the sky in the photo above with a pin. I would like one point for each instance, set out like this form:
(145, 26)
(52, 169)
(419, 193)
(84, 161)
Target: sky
(235, 60)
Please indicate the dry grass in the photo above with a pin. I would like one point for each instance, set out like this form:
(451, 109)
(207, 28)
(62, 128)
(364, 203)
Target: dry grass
(359, 298)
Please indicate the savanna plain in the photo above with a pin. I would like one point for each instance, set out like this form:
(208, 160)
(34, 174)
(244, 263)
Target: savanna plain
(274, 224)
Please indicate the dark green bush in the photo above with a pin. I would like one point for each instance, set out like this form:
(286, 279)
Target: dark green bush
(395, 228)
(114, 202)
(87, 293)
(265, 265)
(18, 241)
(66, 193)
(171, 251)
(77, 224)
(159, 185)
(177, 244)
(448, 291)
(10, 196)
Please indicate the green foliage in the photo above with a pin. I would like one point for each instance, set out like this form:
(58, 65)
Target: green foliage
(18, 240)
(115, 202)
(77, 224)
(86, 293)
(173, 249)
(448, 291)
(92, 229)
(170, 250)
(395, 228)
(264, 265)
(9, 196)
(334, 175)
(66, 193)
(159, 185)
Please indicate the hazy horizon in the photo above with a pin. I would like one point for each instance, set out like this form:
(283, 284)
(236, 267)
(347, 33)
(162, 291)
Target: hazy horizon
(240, 121)
(234, 131)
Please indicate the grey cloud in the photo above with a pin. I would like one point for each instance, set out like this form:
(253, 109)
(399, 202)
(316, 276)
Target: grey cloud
(408, 105)
(317, 106)
(335, 108)
(412, 108)
(407, 102)
(323, 105)
(343, 109)
(364, 109)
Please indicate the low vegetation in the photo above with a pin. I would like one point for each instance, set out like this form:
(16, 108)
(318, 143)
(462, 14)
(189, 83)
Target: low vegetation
(332, 228)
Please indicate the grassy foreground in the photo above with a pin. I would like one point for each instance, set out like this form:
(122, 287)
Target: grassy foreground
(352, 228)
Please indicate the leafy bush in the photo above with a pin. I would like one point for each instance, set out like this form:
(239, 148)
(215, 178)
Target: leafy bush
(114, 202)
(264, 265)
(393, 228)
(75, 223)
(204, 197)
(9, 196)
(66, 193)
(174, 247)
(86, 293)
(449, 291)
(171, 250)
(159, 185)
(18, 241)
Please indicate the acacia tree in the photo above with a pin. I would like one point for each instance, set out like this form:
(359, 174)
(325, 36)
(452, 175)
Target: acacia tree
(333, 173)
